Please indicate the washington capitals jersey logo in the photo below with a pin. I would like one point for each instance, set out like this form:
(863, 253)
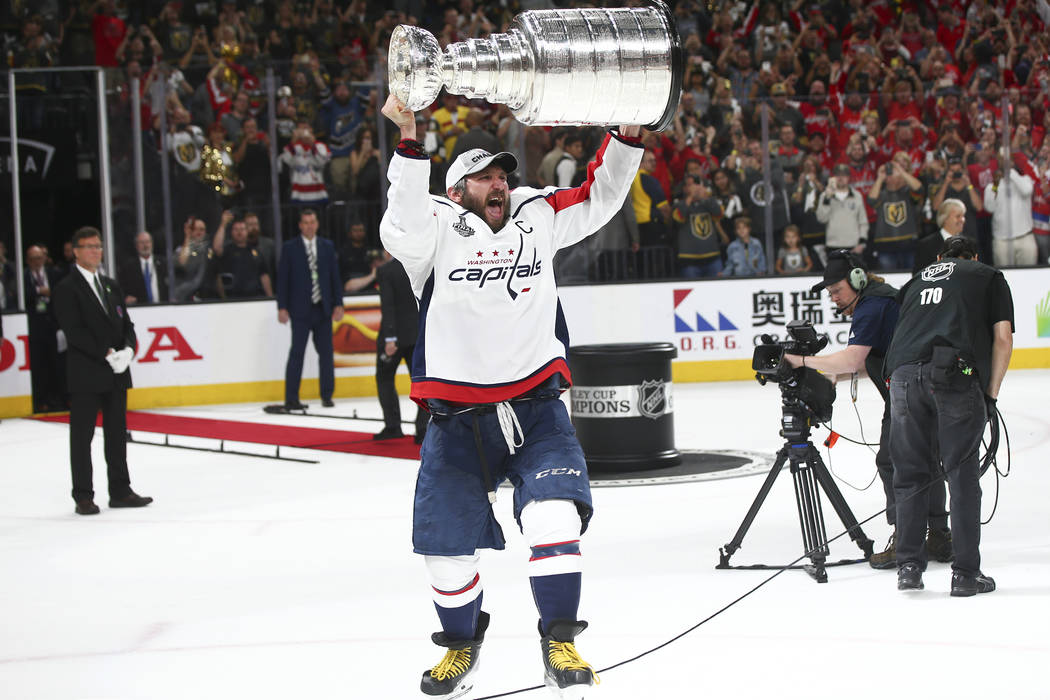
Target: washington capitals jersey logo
(506, 265)
(462, 227)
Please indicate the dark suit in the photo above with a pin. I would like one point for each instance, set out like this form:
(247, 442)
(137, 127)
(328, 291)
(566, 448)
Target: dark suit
(134, 283)
(90, 332)
(46, 375)
(400, 323)
(926, 251)
(293, 295)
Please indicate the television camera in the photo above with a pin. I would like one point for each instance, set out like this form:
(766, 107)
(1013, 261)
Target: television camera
(807, 397)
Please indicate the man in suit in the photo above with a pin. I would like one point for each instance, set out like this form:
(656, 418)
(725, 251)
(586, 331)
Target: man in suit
(144, 277)
(396, 341)
(43, 345)
(90, 310)
(310, 295)
(951, 217)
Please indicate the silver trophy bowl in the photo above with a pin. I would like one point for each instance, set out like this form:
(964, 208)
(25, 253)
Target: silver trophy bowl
(588, 66)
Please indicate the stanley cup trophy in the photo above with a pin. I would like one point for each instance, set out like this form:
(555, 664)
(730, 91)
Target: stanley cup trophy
(588, 66)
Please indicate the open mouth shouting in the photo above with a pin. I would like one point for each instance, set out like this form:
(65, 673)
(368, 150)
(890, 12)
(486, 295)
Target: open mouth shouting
(495, 206)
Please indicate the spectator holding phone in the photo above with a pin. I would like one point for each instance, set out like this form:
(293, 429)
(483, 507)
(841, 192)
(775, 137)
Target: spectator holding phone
(895, 198)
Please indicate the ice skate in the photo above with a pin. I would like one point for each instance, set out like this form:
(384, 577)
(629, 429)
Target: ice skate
(453, 677)
(566, 674)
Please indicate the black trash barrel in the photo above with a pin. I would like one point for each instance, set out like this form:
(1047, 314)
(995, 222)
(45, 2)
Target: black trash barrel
(622, 405)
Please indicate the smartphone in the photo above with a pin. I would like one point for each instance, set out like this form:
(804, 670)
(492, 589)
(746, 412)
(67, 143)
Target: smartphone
(889, 168)
(765, 65)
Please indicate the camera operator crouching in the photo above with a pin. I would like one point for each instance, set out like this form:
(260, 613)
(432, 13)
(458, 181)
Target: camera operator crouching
(946, 363)
(872, 305)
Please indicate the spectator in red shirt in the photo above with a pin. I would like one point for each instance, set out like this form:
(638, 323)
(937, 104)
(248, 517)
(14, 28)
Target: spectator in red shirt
(817, 146)
(663, 148)
(108, 31)
(1039, 131)
(950, 28)
(911, 32)
(815, 109)
(898, 95)
(944, 106)
(862, 165)
(900, 136)
(850, 114)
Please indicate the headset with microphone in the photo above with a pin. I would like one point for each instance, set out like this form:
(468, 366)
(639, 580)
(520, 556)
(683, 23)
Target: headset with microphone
(856, 277)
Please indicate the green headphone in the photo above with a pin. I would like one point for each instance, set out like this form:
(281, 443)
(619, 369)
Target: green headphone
(857, 276)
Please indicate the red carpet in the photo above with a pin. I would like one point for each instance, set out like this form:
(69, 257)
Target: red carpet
(266, 434)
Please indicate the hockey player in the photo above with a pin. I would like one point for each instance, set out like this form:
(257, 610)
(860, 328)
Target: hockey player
(490, 364)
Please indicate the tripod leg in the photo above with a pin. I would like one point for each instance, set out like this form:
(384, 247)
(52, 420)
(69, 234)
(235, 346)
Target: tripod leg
(838, 502)
(811, 519)
(734, 544)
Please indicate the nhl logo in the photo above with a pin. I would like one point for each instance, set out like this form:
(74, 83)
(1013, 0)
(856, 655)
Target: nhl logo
(938, 271)
(653, 399)
(462, 228)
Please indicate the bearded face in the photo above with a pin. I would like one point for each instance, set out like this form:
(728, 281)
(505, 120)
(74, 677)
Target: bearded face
(487, 195)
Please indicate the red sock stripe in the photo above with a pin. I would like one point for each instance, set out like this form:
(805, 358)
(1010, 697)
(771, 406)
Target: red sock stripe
(477, 578)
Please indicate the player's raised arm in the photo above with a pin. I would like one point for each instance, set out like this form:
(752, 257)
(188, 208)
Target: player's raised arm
(409, 229)
(580, 211)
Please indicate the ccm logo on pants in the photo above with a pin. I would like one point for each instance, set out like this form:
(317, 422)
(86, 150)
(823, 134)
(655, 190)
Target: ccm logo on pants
(559, 471)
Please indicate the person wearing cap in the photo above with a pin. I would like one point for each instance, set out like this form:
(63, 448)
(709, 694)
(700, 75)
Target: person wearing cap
(783, 111)
(872, 306)
(841, 209)
(489, 364)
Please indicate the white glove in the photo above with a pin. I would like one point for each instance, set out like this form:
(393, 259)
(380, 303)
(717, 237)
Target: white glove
(127, 355)
(112, 359)
(120, 360)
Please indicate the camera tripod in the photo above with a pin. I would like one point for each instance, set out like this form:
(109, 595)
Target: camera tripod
(809, 475)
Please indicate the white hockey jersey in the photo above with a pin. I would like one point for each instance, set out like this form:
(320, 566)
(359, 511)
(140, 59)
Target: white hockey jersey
(491, 325)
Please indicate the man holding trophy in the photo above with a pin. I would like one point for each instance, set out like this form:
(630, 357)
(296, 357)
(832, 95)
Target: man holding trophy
(490, 366)
(490, 360)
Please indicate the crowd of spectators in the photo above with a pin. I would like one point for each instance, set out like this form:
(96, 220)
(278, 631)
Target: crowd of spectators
(874, 111)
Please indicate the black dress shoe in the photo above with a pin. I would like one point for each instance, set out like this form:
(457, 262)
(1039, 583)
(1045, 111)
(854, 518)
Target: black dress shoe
(328, 403)
(909, 578)
(964, 585)
(132, 500)
(388, 434)
(294, 406)
(86, 507)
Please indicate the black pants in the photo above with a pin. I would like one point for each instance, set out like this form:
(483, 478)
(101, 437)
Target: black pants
(83, 411)
(386, 369)
(955, 417)
(46, 374)
(937, 517)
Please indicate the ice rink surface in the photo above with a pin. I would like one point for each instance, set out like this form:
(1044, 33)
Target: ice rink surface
(254, 578)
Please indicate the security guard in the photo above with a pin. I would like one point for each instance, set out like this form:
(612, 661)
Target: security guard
(872, 304)
(946, 364)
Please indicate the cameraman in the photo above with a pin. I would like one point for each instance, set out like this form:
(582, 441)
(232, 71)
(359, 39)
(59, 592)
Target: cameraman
(873, 307)
(956, 320)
